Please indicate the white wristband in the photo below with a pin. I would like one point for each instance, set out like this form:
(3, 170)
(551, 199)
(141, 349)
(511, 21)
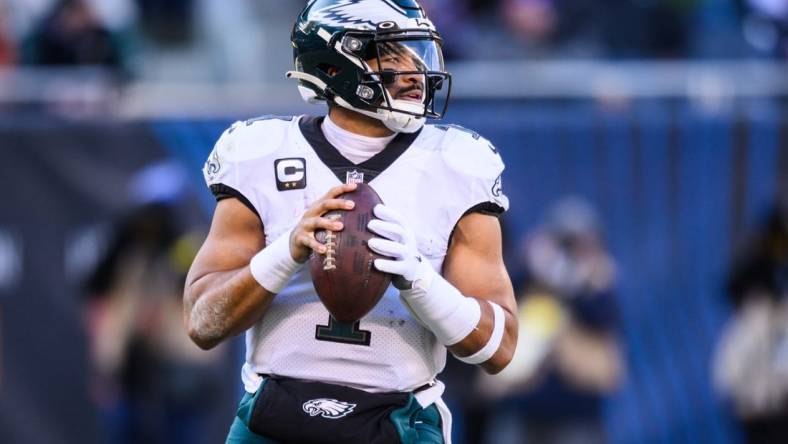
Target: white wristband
(442, 308)
(492, 345)
(273, 266)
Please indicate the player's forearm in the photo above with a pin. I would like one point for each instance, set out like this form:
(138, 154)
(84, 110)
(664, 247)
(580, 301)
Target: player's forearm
(226, 303)
(483, 334)
(223, 304)
(477, 331)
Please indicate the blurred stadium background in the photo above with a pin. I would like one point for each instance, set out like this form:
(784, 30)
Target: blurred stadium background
(666, 121)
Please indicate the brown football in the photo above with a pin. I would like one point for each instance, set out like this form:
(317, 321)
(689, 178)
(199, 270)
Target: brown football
(345, 278)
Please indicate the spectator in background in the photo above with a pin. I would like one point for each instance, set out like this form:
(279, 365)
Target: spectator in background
(151, 383)
(520, 29)
(583, 28)
(751, 365)
(169, 22)
(535, 20)
(538, 28)
(73, 35)
(570, 359)
(7, 44)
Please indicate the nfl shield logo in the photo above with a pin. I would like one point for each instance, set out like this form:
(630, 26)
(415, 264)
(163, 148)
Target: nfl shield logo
(354, 177)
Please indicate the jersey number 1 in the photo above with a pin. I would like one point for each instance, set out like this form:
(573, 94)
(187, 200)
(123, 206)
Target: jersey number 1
(344, 333)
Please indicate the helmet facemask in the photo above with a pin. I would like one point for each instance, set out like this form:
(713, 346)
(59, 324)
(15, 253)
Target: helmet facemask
(404, 79)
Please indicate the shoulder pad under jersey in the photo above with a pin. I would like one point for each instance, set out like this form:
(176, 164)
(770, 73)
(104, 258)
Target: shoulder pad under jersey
(469, 153)
(245, 140)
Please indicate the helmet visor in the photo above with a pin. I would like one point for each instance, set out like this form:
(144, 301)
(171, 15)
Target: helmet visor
(410, 56)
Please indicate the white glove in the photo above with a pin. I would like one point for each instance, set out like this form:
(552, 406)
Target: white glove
(432, 300)
(399, 243)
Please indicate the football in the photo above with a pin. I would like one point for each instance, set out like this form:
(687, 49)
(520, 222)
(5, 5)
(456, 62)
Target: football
(344, 277)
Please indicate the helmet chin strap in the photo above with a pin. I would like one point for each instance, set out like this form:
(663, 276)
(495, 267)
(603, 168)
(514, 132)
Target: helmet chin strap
(395, 121)
(401, 122)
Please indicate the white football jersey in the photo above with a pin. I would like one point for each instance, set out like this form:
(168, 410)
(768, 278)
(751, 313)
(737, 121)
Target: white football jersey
(278, 166)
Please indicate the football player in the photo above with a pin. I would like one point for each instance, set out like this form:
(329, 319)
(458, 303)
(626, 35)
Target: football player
(309, 378)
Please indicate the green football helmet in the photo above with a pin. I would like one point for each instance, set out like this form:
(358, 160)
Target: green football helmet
(380, 58)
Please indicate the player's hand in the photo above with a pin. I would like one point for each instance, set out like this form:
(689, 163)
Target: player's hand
(302, 238)
(398, 243)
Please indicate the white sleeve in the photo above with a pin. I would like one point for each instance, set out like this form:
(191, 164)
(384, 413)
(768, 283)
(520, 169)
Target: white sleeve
(225, 174)
(488, 188)
(481, 167)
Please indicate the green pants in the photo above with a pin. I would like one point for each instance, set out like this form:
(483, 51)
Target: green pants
(414, 424)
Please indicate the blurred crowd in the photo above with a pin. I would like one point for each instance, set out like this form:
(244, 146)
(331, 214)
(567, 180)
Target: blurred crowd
(751, 363)
(63, 32)
(149, 382)
(569, 360)
(114, 33)
(614, 29)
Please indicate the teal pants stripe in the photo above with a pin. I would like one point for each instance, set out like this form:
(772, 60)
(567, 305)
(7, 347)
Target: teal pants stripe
(417, 425)
(240, 434)
(414, 424)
